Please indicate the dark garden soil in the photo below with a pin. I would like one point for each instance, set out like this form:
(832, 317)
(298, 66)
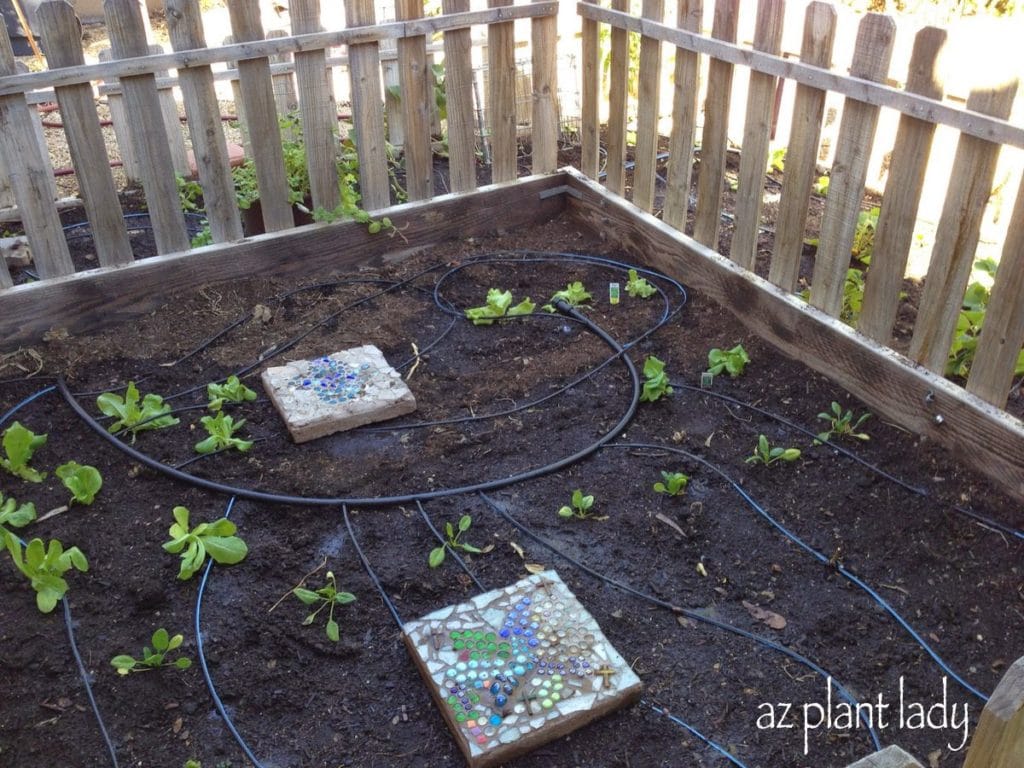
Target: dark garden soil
(298, 699)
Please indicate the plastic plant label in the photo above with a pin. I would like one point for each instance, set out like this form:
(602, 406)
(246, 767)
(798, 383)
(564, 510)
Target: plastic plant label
(514, 668)
(613, 293)
(706, 380)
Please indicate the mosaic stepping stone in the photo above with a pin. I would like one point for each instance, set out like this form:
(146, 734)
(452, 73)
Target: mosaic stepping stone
(337, 392)
(514, 668)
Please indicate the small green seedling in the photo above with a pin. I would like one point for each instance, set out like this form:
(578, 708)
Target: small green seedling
(581, 507)
(673, 483)
(221, 429)
(574, 294)
(765, 454)
(155, 657)
(499, 304)
(452, 536)
(656, 380)
(327, 596)
(638, 287)
(732, 361)
(128, 414)
(841, 424)
(216, 539)
(44, 565)
(83, 481)
(19, 444)
(13, 515)
(231, 391)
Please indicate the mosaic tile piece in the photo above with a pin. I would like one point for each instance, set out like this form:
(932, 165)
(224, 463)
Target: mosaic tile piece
(514, 668)
(337, 392)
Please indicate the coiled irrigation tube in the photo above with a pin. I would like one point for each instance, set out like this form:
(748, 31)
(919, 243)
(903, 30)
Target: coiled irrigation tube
(394, 613)
(276, 498)
(68, 623)
(914, 489)
(819, 556)
(698, 617)
(201, 653)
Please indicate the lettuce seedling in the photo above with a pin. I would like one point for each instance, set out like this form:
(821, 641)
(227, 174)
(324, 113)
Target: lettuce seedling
(221, 429)
(83, 481)
(20, 444)
(732, 361)
(638, 287)
(128, 414)
(155, 657)
(673, 483)
(231, 391)
(499, 304)
(327, 596)
(44, 565)
(767, 455)
(452, 536)
(656, 383)
(581, 506)
(574, 294)
(13, 515)
(215, 539)
(841, 424)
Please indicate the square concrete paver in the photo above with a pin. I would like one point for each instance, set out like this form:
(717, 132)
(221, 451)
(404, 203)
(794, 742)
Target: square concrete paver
(514, 668)
(337, 392)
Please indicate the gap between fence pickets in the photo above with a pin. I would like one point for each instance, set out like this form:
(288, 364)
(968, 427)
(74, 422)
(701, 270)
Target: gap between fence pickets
(879, 95)
(990, 440)
(86, 301)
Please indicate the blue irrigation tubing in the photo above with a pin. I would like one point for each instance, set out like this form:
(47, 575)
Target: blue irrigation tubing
(23, 403)
(693, 615)
(820, 557)
(200, 652)
(680, 722)
(915, 489)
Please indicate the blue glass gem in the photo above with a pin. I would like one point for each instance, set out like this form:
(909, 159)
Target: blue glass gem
(495, 687)
(500, 700)
(495, 720)
(517, 630)
(504, 632)
(526, 601)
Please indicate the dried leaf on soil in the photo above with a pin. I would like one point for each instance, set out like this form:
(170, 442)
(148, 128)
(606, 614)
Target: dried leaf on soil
(772, 619)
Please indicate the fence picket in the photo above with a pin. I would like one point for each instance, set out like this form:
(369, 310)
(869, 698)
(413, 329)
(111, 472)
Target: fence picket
(715, 140)
(873, 51)
(62, 37)
(501, 96)
(119, 119)
(544, 120)
(417, 96)
(646, 150)
(318, 109)
(185, 28)
(261, 118)
(618, 101)
(458, 82)
(802, 153)
(172, 122)
(756, 135)
(367, 109)
(895, 230)
(685, 91)
(999, 738)
(957, 234)
(590, 98)
(286, 101)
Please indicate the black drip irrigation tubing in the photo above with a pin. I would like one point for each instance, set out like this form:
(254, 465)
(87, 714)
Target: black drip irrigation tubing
(817, 555)
(914, 489)
(401, 625)
(693, 615)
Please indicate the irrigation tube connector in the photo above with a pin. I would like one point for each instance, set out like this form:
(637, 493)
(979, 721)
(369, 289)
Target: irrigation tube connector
(698, 617)
(276, 498)
(820, 557)
(200, 652)
(914, 489)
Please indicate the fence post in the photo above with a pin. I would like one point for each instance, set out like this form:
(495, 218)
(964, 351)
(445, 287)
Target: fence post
(802, 154)
(62, 38)
(31, 177)
(185, 27)
(896, 220)
(128, 40)
(544, 123)
(875, 37)
(999, 738)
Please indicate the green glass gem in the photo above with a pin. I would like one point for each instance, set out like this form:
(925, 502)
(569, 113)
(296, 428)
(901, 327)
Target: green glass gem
(503, 654)
(481, 645)
(475, 655)
(503, 646)
(455, 635)
(492, 647)
(489, 637)
(458, 645)
(474, 697)
(452, 700)
(461, 717)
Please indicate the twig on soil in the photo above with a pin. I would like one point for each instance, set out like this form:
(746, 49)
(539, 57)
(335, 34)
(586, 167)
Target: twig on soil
(52, 513)
(9, 360)
(415, 365)
(896, 588)
(301, 582)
